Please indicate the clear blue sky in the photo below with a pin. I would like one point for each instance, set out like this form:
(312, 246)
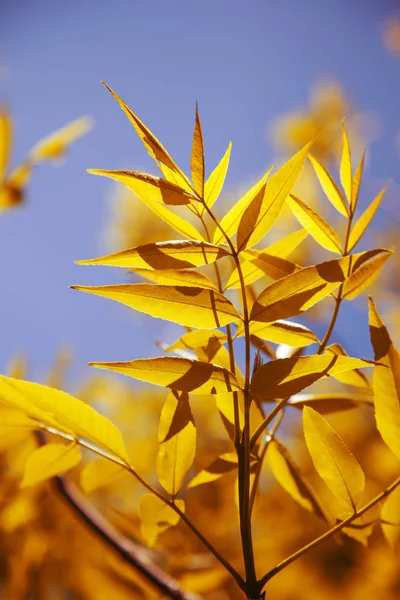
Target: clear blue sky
(245, 62)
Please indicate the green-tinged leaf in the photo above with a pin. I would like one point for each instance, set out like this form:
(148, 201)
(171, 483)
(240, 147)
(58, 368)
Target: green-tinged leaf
(346, 169)
(316, 226)
(99, 474)
(230, 222)
(175, 254)
(390, 515)
(197, 157)
(365, 219)
(332, 459)
(215, 181)
(329, 403)
(281, 332)
(55, 145)
(330, 187)
(226, 463)
(176, 373)
(198, 339)
(154, 147)
(149, 187)
(63, 412)
(185, 277)
(299, 291)
(366, 274)
(177, 442)
(264, 208)
(357, 182)
(48, 461)
(386, 382)
(156, 517)
(285, 377)
(189, 306)
(353, 377)
(5, 142)
(287, 473)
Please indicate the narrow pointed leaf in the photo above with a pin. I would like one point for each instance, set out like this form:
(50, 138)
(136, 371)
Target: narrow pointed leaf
(197, 339)
(55, 145)
(386, 382)
(185, 277)
(316, 226)
(327, 404)
(215, 181)
(5, 142)
(197, 157)
(173, 220)
(282, 332)
(346, 169)
(48, 461)
(365, 219)
(332, 459)
(226, 463)
(353, 377)
(330, 187)
(180, 374)
(357, 182)
(365, 275)
(188, 306)
(156, 517)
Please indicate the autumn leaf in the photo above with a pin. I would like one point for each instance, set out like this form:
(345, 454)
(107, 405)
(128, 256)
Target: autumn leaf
(54, 146)
(366, 274)
(329, 403)
(198, 339)
(99, 474)
(197, 157)
(156, 517)
(330, 187)
(390, 517)
(346, 169)
(281, 332)
(332, 459)
(215, 181)
(353, 377)
(357, 182)
(5, 142)
(361, 226)
(179, 277)
(50, 460)
(316, 226)
(225, 463)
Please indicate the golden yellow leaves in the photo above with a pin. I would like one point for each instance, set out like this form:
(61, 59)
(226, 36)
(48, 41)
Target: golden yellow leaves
(50, 460)
(156, 517)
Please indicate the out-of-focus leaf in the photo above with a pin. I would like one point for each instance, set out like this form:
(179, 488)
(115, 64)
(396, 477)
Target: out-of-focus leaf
(366, 274)
(100, 473)
(330, 187)
(346, 169)
(332, 459)
(365, 219)
(264, 208)
(177, 442)
(156, 517)
(197, 157)
(316, 226)
(50, 460)
(353, 377)
(12, 192)
(175, 254)
(330, 403)
(281, 332)
(285, 377)
(63, 412)
(189, 306)
(215, 181)
(55, 145)
(386, 382)
(288, 474)
(390, 515)
(176, 373)
(5, 142)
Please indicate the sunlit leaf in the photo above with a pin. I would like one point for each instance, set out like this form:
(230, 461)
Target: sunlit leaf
(156, 517)
(330, 403)
(100, 473)
(50, 460)
(346, 169)
(288, 474)
(353, 377)
(197, 157)
(366, 274)
(189, 306)
(357, 182)
(185, 277)
(177, 442)
(332, 459)
(390, 515)
(197, 339)
(386, 382)
(316, 226)
(176, 373)
(330, 187)
(55, 145)
(264, 208)
(226, 463)
(281, 332)
(215, 181)
(365, 219)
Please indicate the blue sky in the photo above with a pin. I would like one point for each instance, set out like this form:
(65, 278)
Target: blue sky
(245, 62)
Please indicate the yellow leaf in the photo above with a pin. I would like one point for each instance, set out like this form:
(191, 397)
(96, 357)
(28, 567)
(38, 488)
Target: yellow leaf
(99, 474)
(176, 373)
(284, 377)
(177, 442)
(264, 208)
(197, 157)
(346, 169)
(330, 187)
(174, 254)
(288, 474)
(226, 463)
(330, 403)
(215, 181)
(197, 339)
(281, 332)
(299, 291)
(185, 277)
(357, 182)
(390, 515)
(154, 147)
(149, 187)
(48, 461)
(230, 222)
(63, 412)
(156, 517)
(353, 377)
(189, 306)
(332, 459)
(175, 221)
(365, 219)
(54, 146)
(386, 382)
(316, 226)
(12, 193)
(366, 274)
(5, 142)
